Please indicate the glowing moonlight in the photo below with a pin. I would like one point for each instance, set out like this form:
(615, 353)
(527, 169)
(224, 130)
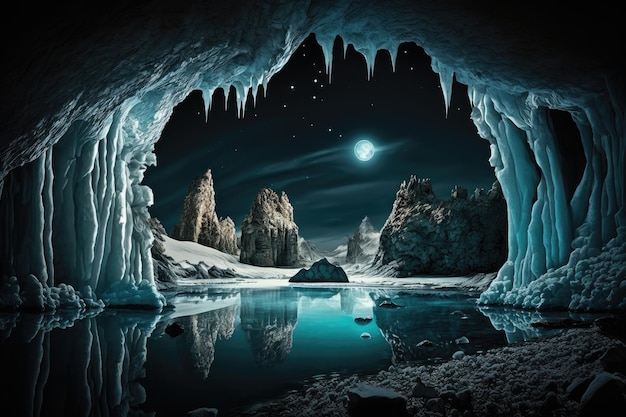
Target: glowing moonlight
(364, 150)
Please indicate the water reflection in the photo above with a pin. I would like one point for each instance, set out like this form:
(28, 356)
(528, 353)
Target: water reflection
(268, 319)
(66, 364)
(201, 332)
(238, 346)
(431, 327)
(517, 325)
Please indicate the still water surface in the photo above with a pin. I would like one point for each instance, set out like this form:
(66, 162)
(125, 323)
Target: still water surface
(238, 346)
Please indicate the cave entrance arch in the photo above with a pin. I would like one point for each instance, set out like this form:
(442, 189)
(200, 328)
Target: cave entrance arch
(563, 252)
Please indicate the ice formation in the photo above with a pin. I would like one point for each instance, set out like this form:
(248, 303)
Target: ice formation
(84, 101)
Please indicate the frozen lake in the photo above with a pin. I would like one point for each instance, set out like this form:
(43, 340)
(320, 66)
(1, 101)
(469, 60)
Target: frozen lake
(238, 346)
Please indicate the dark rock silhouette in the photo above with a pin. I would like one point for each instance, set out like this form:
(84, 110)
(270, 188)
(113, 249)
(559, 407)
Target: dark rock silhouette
(459, 235)
(321, 271)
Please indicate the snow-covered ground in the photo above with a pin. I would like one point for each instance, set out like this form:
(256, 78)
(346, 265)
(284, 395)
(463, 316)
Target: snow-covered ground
(189, 253)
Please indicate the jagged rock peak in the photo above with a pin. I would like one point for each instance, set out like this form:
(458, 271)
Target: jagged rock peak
(459, 192)
(494, 193)
(269, 235)
(362, 246)
(199, 222)
(269, 202)
(199, 204)
(366, 226)
(158, 231)
(460, 235)
(228, 236)
(415, 190)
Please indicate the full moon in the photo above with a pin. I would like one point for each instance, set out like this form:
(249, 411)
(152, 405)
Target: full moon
(364, 150)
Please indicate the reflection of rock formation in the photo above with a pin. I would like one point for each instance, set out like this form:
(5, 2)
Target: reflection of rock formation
(518, 323)
(459, 235)
(348, 299)
(199, 222)
(427, 328)
(268, 319)
(269, 236)
(90, 368)
(201, 333)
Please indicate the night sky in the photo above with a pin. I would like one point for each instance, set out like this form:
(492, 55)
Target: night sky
(299, 138)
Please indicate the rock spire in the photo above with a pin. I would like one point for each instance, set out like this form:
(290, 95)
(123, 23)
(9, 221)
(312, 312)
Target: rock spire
(199, 221)
(269, 235)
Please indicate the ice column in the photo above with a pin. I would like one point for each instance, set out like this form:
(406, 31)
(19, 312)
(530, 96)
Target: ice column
(101, 372)
(563, 252)
(87, 189)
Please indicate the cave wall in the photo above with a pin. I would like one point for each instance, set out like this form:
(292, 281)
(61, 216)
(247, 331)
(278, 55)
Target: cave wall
(87, 94)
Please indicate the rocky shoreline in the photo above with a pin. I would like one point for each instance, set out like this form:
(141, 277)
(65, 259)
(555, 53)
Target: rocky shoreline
(542, 377)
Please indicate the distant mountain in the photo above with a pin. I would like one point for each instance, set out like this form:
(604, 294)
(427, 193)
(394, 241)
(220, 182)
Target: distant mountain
(359, 249)
(308, 252)
(363, 244)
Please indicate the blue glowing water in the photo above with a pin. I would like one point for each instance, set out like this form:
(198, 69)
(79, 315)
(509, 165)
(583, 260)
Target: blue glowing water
(238, 346)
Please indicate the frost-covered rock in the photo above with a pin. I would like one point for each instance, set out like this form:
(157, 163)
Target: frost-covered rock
(165, 269)
(459, 235)
(269, 235)
(199, 221)
(321, 271)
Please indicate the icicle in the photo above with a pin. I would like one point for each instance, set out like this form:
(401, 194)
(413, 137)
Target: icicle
(255, 93)
(345, 49)
(393, 53)
(241, 97)
(370, 59)
(254, 88)
(327, 50)
(446, 77)
(264, 81)
(226, 96)
(471, 94)
(207, 96)
(239, 94)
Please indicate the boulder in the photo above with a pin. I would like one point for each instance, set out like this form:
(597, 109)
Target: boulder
(367, 400)
(321, 271)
